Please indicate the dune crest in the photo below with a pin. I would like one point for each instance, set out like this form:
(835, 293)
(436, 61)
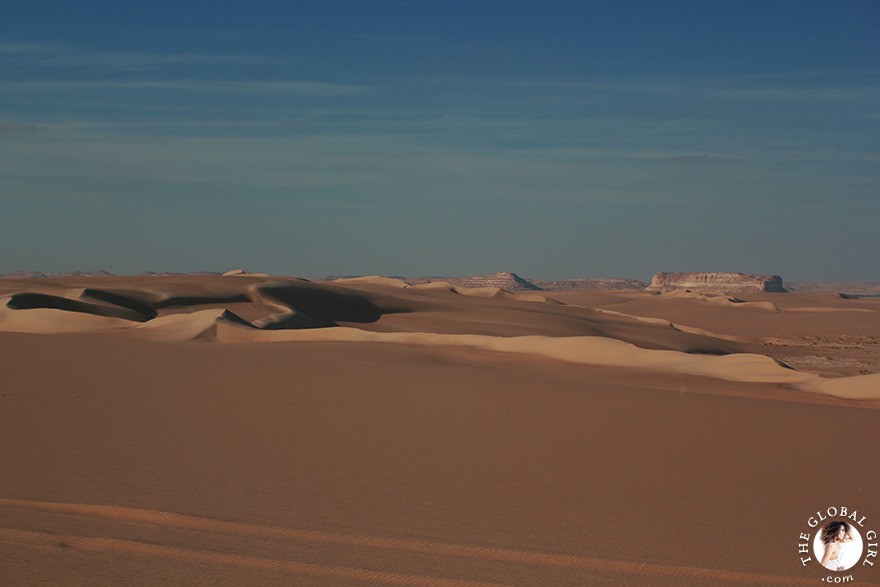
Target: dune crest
(489, 291)
(679, 327)
(443, 285)
(719, 300)
(196, 325)
(56, 321)
(373, 280)
(217, 309)
(243, 273)
(857, 387)
(587, 350)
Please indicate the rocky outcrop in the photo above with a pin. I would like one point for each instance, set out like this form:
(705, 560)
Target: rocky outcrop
(598, 284)
(503, 280)
(512, 282)
(716, 282)
(26, 274)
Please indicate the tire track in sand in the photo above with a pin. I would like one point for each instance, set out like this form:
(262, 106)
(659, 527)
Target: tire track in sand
(488, 553)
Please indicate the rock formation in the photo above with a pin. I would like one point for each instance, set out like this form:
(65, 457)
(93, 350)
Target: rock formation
(27, 274)
(24, 274)
(717, 282)
(504, 280)
(596, 284)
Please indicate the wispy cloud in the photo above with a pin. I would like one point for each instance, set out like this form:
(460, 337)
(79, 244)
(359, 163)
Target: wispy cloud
(299, 87)
(688, 159)
(29, 48)
(800, 87)
(51, 54)
(17, 128)
(312, 88)
(115, 60)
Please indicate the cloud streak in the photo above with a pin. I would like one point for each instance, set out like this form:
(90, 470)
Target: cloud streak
(292, 87)
(798, 87)
(56, 55)
(25, 49)
(14, 128)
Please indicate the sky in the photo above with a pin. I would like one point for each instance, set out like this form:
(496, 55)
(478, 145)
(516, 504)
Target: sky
(431, 138)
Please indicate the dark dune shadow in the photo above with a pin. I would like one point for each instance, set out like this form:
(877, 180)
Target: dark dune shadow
(235, 319)
(121, 300)
(295, 321)
(325, 306)
(31, 301)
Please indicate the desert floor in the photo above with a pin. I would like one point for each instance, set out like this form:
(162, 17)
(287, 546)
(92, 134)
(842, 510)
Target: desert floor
(276, 431)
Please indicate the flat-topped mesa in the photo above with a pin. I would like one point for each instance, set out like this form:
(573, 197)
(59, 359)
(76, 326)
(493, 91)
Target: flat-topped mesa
(717, 282)
(504, 280)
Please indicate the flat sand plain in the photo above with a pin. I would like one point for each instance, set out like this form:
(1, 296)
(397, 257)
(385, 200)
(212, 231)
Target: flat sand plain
(276, 431)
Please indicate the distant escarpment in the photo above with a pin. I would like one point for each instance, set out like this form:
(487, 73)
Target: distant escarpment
(513, 283)
(850, 287)
(717, 282)
(599, 284)
(28, 274)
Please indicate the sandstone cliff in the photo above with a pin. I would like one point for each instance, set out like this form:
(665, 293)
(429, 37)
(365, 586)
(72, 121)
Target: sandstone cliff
(717, 282)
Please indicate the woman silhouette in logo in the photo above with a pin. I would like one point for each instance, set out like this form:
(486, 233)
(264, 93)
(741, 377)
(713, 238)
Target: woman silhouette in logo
(833, 536)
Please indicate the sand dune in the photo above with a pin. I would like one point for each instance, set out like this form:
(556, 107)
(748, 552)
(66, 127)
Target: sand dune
(857, 387)
(204, 310)
(387, 435)
(56, 321)
(720, 300)
(198, 325)
(485, 292)
(28, 301)
(122, 299)
(588, 350)
(679, 327)
(373, 280)
(439, 284)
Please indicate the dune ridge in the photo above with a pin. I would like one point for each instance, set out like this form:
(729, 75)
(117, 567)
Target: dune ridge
(266, 309)
(717, 299)
(588, 350)
(57, 321)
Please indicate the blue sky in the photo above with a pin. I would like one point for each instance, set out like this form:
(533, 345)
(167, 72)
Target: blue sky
(553, 139)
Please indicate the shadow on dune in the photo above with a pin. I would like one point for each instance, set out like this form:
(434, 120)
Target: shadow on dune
(30, 301)
(321, 307)
(303, 306)
(293, 321)
(120, 300)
